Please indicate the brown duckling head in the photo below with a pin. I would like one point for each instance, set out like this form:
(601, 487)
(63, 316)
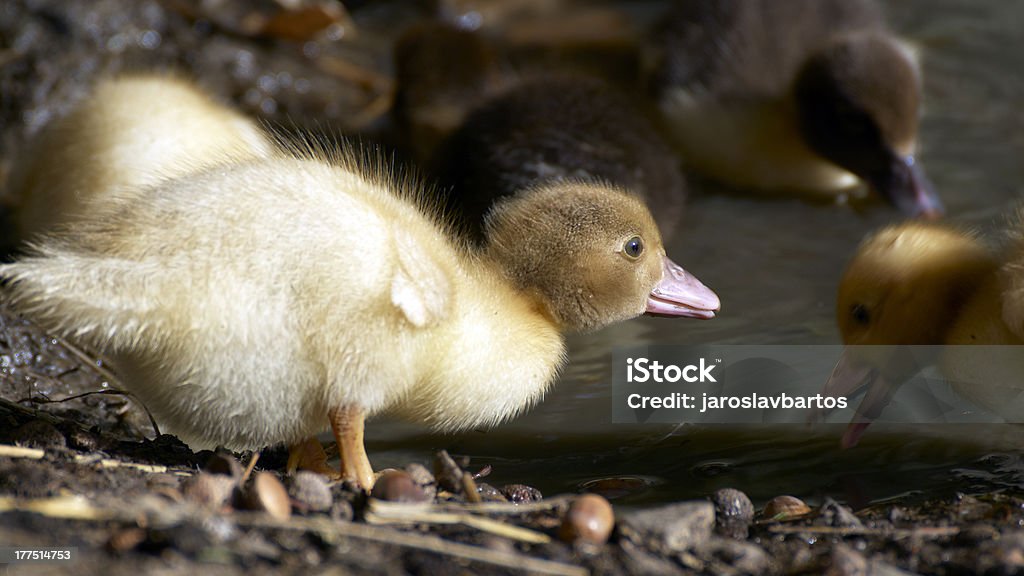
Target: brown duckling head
(592, 255)
(858, 101)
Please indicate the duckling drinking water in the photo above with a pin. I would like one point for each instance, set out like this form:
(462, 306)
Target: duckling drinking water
(265, 299)
(805, 96)
(916, 284)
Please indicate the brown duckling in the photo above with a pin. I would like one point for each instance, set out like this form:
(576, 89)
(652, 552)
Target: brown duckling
(271, 298)
(804, 96)
(924, 284)
(509, 134)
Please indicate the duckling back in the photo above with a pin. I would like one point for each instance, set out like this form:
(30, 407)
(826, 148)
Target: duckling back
(131, 132)
(557, 129)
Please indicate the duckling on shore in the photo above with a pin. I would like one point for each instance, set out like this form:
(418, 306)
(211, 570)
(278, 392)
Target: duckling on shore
(132, 132)
(268, 298)
(925, 284)
(793, 96)
(507, 134)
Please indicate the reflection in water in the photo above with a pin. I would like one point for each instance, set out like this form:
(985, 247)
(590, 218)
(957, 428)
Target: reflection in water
(775, 264)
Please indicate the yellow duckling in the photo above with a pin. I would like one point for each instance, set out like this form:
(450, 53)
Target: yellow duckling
(132, 132)
(804, 96)
(918, 284)
(268, 299)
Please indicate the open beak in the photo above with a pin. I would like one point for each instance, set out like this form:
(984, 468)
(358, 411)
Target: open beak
(850, 375)
(907, 187)
(680, 294)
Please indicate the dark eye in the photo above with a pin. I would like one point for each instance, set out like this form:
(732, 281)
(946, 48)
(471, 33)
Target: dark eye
(860, 314)
(633, 247)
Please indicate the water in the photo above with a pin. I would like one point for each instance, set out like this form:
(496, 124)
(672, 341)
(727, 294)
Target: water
(775, 265)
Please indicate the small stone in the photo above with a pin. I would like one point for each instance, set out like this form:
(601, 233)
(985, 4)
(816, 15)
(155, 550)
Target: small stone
(267, 494)
(846, 561)
(785, 508)
(38, 434)
(80, 439)
(209, 490)
(670, 529)
(447, 473)
(731, 504)
(224, 464)
(397, 486)
(311, 491)
(835, 514)
(489, 493)
(743, 557)
(424, 479)
(733, 513)
(521, 493)
(589, 518)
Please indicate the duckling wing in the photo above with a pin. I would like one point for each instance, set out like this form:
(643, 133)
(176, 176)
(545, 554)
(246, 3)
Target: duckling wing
(419, 288)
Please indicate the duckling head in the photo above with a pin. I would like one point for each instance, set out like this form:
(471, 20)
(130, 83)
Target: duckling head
(905, 286)
(592, 255)
(858, 101)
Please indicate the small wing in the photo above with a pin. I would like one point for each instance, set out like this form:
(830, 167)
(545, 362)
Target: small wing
(420, 288)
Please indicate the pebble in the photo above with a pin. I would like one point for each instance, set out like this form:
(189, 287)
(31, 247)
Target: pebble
(311, 491)
(423, 478)
(489, 493)
(670, 529)
(589, 518)
(835, 514)
(733, 513)
(521, 493)
(209, 490)
(785, 508)
(845, 561)
(397, 486)
(38, 434)
(225, 464)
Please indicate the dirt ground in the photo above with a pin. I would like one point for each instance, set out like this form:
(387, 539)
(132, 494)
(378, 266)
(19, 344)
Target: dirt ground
(91, 473)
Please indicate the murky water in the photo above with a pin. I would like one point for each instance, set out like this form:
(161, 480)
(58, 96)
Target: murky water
(775, 265)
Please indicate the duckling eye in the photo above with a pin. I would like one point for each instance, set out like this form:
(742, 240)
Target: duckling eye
(860, 314)
(633, 247)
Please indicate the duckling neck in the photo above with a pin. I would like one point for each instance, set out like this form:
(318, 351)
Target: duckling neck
(501, 354)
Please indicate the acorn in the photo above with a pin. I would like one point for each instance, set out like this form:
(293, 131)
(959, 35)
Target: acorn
(589, 519)
(785, 508)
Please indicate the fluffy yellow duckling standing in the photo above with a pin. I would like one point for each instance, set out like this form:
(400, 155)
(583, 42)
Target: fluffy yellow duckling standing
(132, 132)
(264, 300)
(805, 96)
(922, 284)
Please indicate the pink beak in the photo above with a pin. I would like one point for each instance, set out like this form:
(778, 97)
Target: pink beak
(680, 294)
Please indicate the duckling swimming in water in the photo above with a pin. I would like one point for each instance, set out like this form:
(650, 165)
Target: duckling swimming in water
(506, 135)
(805, 96)
(264, 300)
(924, 284)
(132, 132)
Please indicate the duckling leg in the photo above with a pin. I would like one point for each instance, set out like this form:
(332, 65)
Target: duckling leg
(347, 423)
